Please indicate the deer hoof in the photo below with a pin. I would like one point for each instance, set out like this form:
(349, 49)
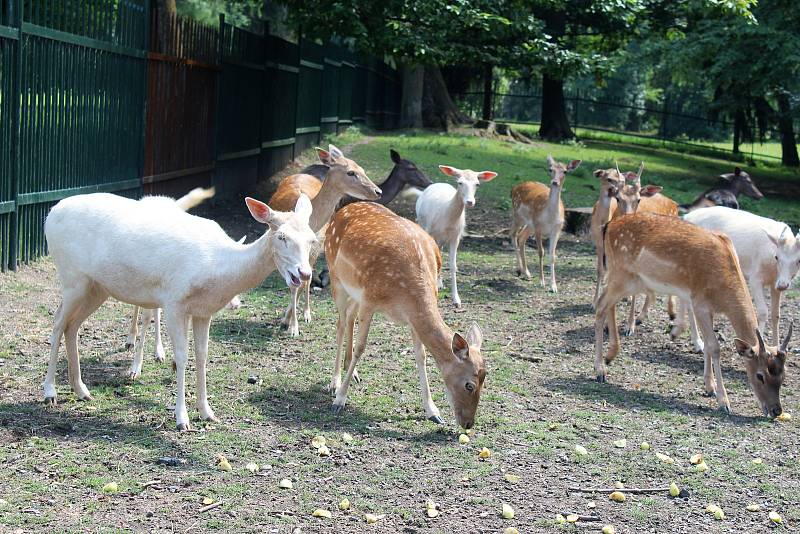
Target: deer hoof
(128, 345)
(638, 322)
(183, 427)
(710, 394)
(336, 409)
(436, 419)
(50, 401)
(601, 379)
(133, 375)
(628, 332)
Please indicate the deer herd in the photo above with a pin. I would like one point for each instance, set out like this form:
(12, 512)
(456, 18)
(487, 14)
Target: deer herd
(151, 253)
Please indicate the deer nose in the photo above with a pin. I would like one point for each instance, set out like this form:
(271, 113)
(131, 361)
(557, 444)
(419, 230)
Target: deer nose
(305, 275)
(782, 286)
(468, 424)
(469, 203)
(775, 411)
(378, 191)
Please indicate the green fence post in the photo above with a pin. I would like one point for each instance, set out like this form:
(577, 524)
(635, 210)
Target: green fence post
(146, 80)
(218, 97)
(13, 248)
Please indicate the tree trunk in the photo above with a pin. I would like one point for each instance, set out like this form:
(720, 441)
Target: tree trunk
(789, 155)
(738, 129)
(488, 95)
(555, 123)
(438, 109)
(168, 5)
(411, 105)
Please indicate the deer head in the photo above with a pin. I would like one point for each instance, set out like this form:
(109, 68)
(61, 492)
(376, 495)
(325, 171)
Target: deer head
(558, 170)
(632, 192)
(787, 255)
(740, 182)
(464, 376)
(765, 370)
(347, 176)
(467, 181)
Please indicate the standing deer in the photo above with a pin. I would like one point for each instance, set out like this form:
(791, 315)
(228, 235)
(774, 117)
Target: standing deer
(646, 252)
(343, 178)
(611, 180)
(733, 184)
(141, 253)
(440, 211)
(537, 208)
(381, 262)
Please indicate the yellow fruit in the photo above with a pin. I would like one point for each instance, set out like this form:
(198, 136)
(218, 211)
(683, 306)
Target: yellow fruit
(753, 508)
(664, 458)
(285, 484)
(674, 490)
(645, 447)
(111, 487)
(621, 443)
(581, 450)
(324, 451)
(511, 530)
(609, 529)
(712, 508)
(619, 485)
(696, 459)
(508, 512)
(484, 453)
(224, 464)
(552, 426)
(371, 518)
(701, 467)
(318, 441)
(344, 504)
(758, 461)
(783, 417)
(432, 512)
(208, 500)
(252, 467)
(347, 438)
(511, 478)
(560, 519)
(572, 518)
(719, 515)
(319, 512)
(463, 439)
(775, 517)
(617, 496)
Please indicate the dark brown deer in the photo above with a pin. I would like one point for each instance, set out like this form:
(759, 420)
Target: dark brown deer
(733, 184)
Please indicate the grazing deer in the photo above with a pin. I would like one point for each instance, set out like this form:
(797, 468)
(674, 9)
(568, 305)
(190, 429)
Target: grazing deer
(440, 211)
(144, 254)
(768, 253)
(647, 252)
(733, 184)
(537, 208)
(381, 262)
(343, 178)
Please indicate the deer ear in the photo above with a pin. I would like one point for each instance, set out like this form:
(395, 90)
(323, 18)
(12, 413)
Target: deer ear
(336, 154)
(486, 176)
(744, 348)
(324, 156)
(550, 160)
(260, 211)
(599, 173)
(475, 336)
(460, 346)
(650, 190)
(303, 207)
(737, 171)
(450, 171)
(574, 164)
(395, 156)
(630, 176)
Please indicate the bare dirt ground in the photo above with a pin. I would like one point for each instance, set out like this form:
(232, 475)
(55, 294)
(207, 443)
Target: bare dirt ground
(540, 401)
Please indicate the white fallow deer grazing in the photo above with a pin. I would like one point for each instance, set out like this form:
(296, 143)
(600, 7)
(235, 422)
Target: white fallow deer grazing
(344, 178)
(646, 252)
(138, 252)
(440, 212)
(381, 262)
(768, 253)
(537, 208)
(630, 198)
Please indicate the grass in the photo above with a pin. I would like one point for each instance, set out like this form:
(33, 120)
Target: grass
(540, 399)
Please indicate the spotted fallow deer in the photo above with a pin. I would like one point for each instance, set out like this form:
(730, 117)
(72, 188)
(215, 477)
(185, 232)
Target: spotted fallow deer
(647, 252)
(381, 262)
(610, 181)
(344, 177)
(538, 209)
(633, 198)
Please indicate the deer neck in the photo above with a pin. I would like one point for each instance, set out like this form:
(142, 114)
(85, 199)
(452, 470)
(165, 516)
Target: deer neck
(245, 266)
(390, 187)
(554, 201)
(456, 206)
(604, 207)
(435, 335)
(323, 205)
(741, 314)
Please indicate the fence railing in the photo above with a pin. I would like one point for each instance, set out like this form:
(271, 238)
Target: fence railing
(109, 96)
(664, 125)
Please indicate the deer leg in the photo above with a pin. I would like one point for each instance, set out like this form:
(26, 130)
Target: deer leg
(70, 303)
(178, 328)
(453, 249)
(138, 353)
(427, 402)
(512, 233)
(364, 322)
(760, 301)
(552, 243)
(200, 327)
(290, 317)
(540, 250)
(606, 313)
(697, 341)
(307, 309)
(650, 298)
(705, 320)
(344, 333)
(92, 300)
(671, 306)
(631, 325)
(600, 275)
(133, 332)
(775, 311)
(159, 350)
(522, 261)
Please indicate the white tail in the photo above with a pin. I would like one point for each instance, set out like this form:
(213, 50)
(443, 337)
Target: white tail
(195, 197)
(411, 193)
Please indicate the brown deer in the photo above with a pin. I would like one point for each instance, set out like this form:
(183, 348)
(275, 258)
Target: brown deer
(647, 252)
(610, 181)
(538, 209)
(344, 177)
(381, 262)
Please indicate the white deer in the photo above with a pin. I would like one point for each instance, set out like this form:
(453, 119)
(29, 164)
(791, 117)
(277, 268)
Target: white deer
(440, 212)
(141, 253)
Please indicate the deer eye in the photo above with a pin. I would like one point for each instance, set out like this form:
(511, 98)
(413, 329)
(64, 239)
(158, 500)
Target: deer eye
(282, 238)
(351, 173)
(760, 377)
(469, 386)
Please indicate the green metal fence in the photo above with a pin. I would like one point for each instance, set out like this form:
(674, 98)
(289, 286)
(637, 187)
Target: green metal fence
(90, 102)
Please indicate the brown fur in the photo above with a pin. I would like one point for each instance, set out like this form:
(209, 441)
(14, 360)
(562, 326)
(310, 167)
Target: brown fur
(285, 197)
(381, 262)
(534, 195)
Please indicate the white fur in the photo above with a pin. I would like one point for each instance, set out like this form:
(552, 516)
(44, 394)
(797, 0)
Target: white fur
(140, 253)
(757, 240)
